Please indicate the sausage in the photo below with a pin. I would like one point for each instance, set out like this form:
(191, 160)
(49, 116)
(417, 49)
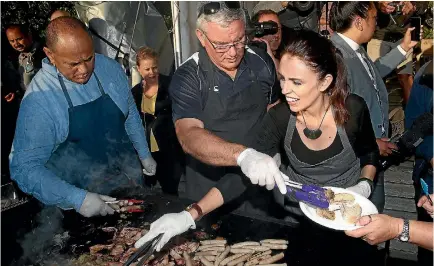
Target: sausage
(222, 256)
(212, 245)
(246, 243)
(230, 258)
(211, 242)
(205, 262)
(257, 248)
(275, 246)
(257, 260)
(210, 258)
(187, 259)
(241, 250)
(207, 248)
(240, 259)
(272, 259)
(259, 255)
(275, 241)
(207, 253)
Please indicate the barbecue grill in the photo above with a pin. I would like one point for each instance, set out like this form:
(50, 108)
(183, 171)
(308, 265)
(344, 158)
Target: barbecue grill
(309, 244)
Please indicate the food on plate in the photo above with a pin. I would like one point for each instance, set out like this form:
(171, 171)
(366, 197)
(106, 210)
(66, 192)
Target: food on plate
(275, 241)
(343, 198)
(272, 259)
(351, 213)
(324, 213)
(330, 195)
(246, 243)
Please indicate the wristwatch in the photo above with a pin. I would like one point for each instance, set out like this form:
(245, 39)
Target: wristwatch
(197, 208)
(405, 234)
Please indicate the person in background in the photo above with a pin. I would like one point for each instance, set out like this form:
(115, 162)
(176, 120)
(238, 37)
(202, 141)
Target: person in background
(30, 52)
(324, 21)
(378, 228)
(421, 103)
(79, 136)
(354, 24)
(155, 109)
(273, 41)
(59, 13)
(389, 34)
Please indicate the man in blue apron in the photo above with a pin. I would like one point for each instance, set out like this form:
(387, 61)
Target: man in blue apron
(78, 129)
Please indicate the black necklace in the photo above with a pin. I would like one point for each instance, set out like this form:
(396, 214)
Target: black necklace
(315, 133)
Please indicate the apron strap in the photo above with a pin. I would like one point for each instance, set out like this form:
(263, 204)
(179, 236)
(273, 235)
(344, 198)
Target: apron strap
(101, 90)
(65, 92)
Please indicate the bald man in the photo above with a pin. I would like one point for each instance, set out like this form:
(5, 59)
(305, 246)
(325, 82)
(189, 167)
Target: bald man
(79, 136)
(59, 13)
(31, 54)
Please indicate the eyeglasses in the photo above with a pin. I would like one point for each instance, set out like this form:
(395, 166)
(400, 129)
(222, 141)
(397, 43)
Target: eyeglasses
(223, 48)
(214, 7)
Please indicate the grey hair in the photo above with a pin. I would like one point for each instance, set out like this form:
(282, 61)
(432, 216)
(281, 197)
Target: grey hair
(223, 18)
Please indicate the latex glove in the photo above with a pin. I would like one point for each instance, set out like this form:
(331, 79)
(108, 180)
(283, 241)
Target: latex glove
(171, 224)
(94, 204)
(278, 159)
(261, 169)
(149, 166)
(363, 188)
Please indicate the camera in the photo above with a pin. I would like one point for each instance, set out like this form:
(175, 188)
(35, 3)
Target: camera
(260, 29)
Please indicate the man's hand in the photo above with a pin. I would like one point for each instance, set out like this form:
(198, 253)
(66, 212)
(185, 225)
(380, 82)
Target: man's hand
(385, 146)
(171, 224)
(385, 7)
(424, 203)
(408, 7)
(363, 188)
(261, 169)
(94, 204)
(377, 228)
(149, 166)
(407, 43)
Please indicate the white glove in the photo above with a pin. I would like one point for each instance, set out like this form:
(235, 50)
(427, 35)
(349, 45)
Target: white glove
(94, 204)
(363, 188)
(261, 169)
(278, 159)
(171, 224)
(149, 166)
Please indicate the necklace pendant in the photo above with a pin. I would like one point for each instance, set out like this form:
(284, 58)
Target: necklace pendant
(312, 134)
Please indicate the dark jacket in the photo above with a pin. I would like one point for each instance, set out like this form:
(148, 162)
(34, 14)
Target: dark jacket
(161, 122)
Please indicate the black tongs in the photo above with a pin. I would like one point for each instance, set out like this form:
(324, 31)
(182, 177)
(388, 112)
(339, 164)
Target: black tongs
(144, 251)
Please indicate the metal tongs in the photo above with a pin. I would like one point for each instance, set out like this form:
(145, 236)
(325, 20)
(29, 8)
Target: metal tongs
(144, 251)
(311, 194)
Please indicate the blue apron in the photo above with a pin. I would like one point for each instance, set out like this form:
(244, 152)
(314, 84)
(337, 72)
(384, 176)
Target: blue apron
(97, 155)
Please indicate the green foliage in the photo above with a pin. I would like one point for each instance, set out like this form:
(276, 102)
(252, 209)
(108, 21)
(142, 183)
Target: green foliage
(35, 14)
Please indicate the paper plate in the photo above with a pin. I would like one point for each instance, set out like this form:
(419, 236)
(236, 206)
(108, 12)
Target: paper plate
(339, 224)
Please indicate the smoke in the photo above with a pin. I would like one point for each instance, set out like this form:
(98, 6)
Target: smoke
(45, 240)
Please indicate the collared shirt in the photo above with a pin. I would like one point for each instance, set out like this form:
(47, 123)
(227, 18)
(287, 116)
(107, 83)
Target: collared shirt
(43, 124)
(355, 46)
(187, 89)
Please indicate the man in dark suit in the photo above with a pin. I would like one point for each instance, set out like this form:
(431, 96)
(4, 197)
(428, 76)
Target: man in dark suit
(354, 24)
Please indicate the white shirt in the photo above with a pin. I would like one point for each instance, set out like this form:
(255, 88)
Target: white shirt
(355, 46)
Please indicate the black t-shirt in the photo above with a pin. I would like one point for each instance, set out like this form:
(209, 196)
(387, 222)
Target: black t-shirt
(195, 77)
(358, 129)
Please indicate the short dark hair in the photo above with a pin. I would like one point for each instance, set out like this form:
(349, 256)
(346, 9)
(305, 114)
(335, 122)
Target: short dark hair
(22, 27)
(342, 14)
(323, 58)
(61, 25)
(260, 13)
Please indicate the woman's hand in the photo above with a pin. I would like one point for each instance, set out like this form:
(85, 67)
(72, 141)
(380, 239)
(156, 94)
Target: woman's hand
(424, 203)
(377, 228)
(171, 224)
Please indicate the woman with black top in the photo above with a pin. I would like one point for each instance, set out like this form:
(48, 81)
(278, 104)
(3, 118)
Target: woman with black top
(325, 133)
(152, 100)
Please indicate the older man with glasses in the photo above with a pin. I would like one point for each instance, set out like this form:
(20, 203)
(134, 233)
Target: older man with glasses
(219, 97)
